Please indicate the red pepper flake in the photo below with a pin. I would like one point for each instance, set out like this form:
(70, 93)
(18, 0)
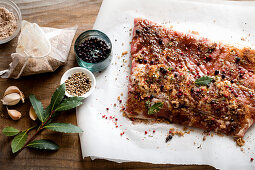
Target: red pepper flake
(145, 132)
(252, 159)
(181, 66)
(122, 133)
(116, 119)
(251, 95)
(116, 126)
(212, 119)
(208, 72)
(185, 94)
(225, 95)
(198, 90)
(120, 101)
(170, 131)
(204, 58)
(153, 131)
(103, 116)
(107, 108)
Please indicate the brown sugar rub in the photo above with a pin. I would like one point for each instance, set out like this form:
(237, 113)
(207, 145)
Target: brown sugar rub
(190, 81)
(8, 23)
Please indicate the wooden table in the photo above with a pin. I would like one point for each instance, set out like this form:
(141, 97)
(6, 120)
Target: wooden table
(59, 14)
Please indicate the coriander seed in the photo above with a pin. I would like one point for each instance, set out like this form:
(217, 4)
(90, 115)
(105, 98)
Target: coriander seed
(78, 84)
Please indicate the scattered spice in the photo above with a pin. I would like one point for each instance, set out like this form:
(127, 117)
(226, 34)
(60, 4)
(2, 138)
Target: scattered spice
(240, 142)
(78, 84)
(8, 23)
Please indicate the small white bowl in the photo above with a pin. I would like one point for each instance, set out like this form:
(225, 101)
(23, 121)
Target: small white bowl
(69, 73)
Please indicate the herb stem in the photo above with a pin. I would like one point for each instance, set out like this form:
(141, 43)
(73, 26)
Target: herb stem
(37, 131)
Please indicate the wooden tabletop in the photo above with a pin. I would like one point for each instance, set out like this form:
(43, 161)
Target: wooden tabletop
(59, 14)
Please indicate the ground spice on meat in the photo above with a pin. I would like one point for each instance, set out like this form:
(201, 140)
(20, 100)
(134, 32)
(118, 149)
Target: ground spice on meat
(8, 23)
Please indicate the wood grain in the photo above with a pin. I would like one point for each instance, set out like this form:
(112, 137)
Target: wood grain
(59, 14)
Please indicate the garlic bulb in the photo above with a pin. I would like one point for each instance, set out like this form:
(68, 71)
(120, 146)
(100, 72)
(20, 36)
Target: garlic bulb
(32, 113)
(12, 96)
(11, 99)
(14, 114)
(14, 89)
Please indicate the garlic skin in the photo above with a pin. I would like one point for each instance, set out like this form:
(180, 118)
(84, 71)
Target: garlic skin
(32, 113)
(15, 89)
(11, 99)
(14, 114)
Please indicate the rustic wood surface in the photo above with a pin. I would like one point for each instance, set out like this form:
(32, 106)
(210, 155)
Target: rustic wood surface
(60, 14)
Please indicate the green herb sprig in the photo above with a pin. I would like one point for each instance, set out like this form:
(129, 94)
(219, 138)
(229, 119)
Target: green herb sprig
(46, 116)
(155, 108)
(203, 81)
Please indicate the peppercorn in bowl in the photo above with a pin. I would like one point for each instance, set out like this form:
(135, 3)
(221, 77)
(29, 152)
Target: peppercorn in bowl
(79, 82)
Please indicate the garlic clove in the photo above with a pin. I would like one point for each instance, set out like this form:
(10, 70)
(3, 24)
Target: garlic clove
(15, 89)
(32, 113)
(11, 99)
(14, 114)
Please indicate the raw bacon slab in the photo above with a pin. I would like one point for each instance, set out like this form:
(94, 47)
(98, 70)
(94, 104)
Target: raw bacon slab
(190, 81)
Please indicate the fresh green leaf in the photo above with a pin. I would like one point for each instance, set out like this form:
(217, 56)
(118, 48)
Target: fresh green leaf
(69, 103)
(64, 127)
(10, 131)
(155, 108)
(203, 81)
(19, 141)
(47, 112)
(43, 145)
(57, 97)
(38, 107)
(147, 104)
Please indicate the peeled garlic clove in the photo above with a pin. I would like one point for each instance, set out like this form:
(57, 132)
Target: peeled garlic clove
(14, 89)
(11, 99)
(14, 114)
(32, 113)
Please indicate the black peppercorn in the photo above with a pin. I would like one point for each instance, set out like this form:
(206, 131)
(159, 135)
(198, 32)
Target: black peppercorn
(161, 87)
(192, 90)
(168, 138)
(151, 62)
(160, 41)
(198, 64)
(140, 61)
(137, 31)
(152, 96)
(145, 61)
(163, 70)
(216, 72)
(175, 75)
(232, 81)
(223, 76)
(238, 59)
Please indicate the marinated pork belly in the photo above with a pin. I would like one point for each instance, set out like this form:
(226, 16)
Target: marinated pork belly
(190, 81)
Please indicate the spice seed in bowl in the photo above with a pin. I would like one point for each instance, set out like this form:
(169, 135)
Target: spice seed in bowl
(78, 84)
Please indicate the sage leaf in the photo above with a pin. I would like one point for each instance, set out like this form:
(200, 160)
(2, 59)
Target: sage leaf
(19, 141)
(10, 131)
(43, 144)
(64, 127)
(57, 97)
(69, 103)
(203, 81)
(38, 107)
(155, 108)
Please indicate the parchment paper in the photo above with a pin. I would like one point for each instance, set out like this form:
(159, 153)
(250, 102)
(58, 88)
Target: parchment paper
(230, 22)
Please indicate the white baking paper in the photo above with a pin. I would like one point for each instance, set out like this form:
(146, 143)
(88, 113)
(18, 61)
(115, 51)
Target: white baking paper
(227, 21)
